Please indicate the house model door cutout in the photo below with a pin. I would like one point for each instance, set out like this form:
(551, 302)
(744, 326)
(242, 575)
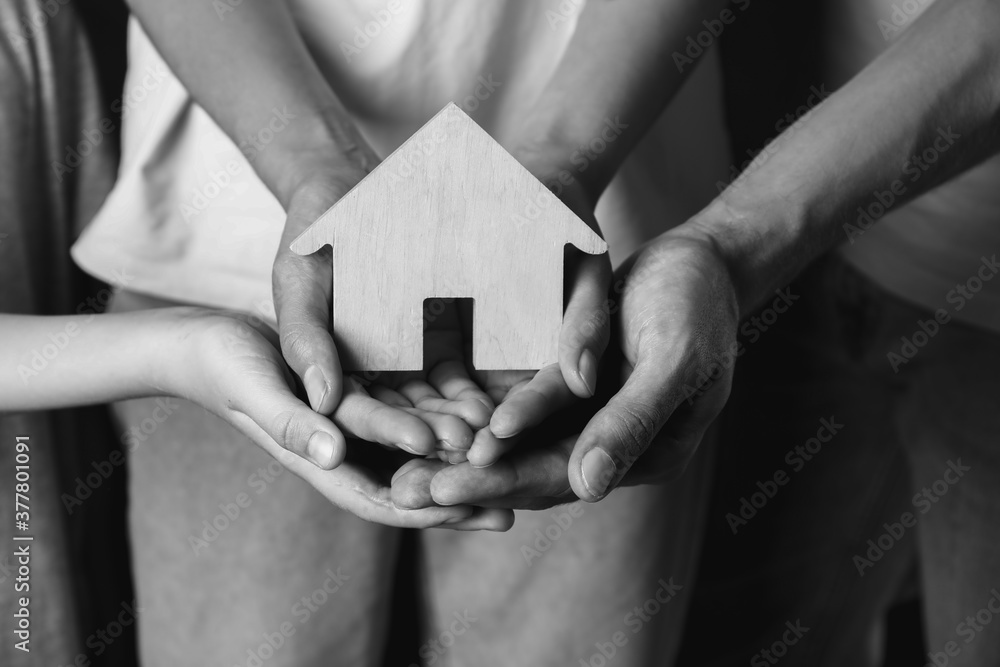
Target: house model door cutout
(449, 214)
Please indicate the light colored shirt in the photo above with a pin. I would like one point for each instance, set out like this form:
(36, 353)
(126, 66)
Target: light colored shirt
(940, 251)
(189, 221)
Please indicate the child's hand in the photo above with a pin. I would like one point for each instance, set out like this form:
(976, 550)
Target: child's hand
(443, 396)
(234, 370)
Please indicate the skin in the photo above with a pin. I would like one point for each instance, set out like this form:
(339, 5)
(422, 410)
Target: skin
(240, 68)
(683, 294)
(206, 357)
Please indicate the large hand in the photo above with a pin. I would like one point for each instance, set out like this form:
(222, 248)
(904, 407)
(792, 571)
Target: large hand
(677, 319)
(525, 398)
(234, 370)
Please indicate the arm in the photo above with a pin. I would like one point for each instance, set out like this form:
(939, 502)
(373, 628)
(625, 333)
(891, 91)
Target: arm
(680, 297)
(617, 75)
(942, 76)
(207, 357)
(240, 66)
(619, 64)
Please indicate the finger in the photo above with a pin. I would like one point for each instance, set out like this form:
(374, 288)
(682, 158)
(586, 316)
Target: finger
(621, 431)
(538, 473)
(496, 519)
(351, 487)
(487, 448)
(388, 396)
(411, 484)
(586, 327)
(471, 410)
(530, 403)
(450, 432)
(364, 417)
(302, 293)
(290, 423)
(452, 381)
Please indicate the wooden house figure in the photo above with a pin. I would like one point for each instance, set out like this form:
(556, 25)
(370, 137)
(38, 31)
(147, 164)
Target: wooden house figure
(449, 214)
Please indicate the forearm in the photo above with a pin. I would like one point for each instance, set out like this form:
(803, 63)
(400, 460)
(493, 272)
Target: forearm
(63, 361)
(937, 87)
(615, 79)
(243, 65)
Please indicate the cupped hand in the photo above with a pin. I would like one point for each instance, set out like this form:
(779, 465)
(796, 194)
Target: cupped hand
(235, 370)
(525, 399)
(676, 321)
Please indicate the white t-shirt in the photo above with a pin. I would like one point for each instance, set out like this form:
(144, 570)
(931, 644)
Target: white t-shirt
(188, 220)
(941, 250)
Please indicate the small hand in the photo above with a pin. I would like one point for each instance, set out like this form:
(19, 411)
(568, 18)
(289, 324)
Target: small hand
(235, 370)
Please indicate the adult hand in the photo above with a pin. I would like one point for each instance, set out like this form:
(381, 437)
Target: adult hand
(525, 398)
(676, 329)
(302, 285)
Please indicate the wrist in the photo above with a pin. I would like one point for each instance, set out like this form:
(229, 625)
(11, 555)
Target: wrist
(559, 151)
(761, 243)
(177, 335)
(321, 147)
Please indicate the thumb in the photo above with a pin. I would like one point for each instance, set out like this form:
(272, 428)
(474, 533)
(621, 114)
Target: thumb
(650, 407)
(302, 294)
(620, 432)
(273, 411)
(586, 325)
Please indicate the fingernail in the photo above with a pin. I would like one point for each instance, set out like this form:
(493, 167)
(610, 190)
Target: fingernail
(588, 370)
(502, 426)
(598, 471)
(320, 448)
(316, 386)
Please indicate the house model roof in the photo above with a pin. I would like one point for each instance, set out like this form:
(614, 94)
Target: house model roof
(448, 214)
